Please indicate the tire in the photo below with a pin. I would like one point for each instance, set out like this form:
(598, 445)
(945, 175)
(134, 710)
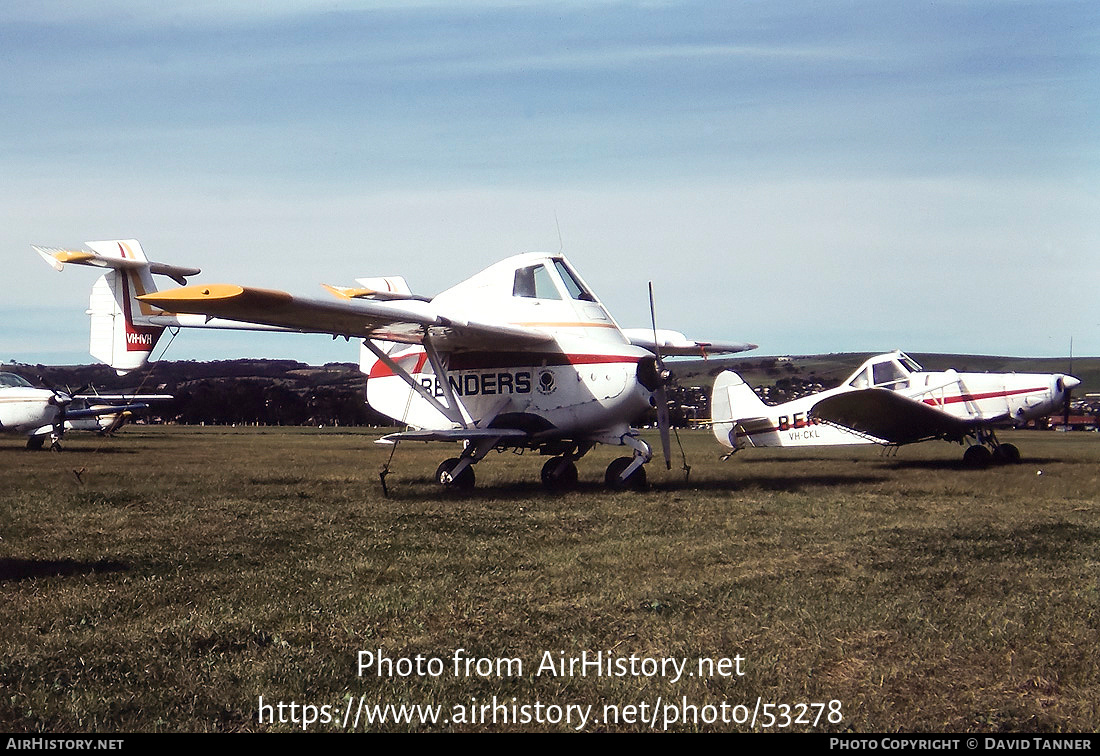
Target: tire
(1006, 454)
(612, 478)
(977, 457)
(559, 474)
(464, 481)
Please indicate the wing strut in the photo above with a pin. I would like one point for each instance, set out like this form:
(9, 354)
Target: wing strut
(454, 412)
(444, 378)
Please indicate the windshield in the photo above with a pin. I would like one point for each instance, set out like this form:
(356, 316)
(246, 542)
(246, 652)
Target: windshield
(11, 380)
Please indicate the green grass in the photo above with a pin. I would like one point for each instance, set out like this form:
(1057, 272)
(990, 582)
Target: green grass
(187, 572)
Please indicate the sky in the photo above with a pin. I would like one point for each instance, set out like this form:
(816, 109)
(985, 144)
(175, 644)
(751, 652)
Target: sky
(809, 176)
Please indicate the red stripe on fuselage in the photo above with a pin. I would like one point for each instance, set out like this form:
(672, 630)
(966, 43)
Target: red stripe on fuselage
(980, 397)
(508, 361)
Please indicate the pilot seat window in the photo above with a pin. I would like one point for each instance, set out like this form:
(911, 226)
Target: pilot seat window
(535, 282)
(888, 375)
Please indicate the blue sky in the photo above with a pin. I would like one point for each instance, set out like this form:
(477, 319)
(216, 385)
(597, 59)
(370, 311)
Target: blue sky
(813, 177)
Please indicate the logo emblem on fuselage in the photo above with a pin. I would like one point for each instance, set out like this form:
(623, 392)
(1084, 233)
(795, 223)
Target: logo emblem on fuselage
(546, 383)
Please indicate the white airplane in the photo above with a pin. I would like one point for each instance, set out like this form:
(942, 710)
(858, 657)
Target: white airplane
(891, 400)
(520, 356)
(40, 413)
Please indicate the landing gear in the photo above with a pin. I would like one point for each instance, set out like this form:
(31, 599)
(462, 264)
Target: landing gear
(34, 443)
(977, 457)
(463, 480)
(989, 451)
(559, 474)
(635, 481)
(1006, 454)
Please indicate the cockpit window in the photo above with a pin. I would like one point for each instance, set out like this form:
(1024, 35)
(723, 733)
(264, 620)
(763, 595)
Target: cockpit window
(11, 380)
(909, 364)
(890, 375)
(535, 282)
(572, 285)
(861, 380)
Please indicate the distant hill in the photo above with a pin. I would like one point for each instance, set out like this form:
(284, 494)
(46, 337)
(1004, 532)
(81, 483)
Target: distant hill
(274, 392)
(286, 392)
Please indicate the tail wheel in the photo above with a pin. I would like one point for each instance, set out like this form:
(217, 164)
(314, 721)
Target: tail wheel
(464, 481)
(1006, 454)
(559, 474)
(613, 476)
(977, 457)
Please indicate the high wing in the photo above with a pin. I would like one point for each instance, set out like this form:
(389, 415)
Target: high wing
(896, 419)
(404, 321)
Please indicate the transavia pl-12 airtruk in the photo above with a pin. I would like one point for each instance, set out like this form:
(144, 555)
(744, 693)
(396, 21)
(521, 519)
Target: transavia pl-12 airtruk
(520, 356)
(891, 400)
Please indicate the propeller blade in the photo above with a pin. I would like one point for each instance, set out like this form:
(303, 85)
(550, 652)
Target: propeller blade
(653, 321)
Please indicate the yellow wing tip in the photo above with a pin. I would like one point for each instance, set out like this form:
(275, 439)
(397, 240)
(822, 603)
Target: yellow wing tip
(345, 292)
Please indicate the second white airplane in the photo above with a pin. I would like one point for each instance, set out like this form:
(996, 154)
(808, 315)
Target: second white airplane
(892, 400)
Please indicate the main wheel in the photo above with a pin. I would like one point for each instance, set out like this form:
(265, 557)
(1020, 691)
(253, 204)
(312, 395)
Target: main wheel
(613, 476)
(34, 443)
(1006, 454)
(977, 457)
(463, 482)
(559, 474)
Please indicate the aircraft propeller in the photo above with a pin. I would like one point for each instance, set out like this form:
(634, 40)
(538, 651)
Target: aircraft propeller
(61, 400)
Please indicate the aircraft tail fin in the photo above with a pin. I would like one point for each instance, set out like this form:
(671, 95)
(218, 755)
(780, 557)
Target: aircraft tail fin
(122, 334)
(732, 401)
(115, 338)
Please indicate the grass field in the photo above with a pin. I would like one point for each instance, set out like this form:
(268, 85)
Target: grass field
(167, 579)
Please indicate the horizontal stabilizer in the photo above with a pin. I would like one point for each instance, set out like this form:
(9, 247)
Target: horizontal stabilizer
(129, 257)
(383, 289)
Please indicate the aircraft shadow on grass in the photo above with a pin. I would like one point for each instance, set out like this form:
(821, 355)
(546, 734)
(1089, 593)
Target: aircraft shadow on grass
(13, 569)
(894, 463)
(414, 488)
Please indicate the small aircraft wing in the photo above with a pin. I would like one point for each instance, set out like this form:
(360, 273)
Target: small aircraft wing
(124, 397)
(676, 344)
(457, 434)
(78, 414)
(406, 321)
(887, 415)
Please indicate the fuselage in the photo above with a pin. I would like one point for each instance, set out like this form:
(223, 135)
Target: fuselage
(996, 398)
(24, 408)
(583, 380)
